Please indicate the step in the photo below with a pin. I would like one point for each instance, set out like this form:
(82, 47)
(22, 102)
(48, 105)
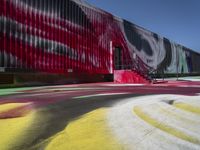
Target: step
(128, 76)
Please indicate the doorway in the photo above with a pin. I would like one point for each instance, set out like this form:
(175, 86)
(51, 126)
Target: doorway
(118, 58)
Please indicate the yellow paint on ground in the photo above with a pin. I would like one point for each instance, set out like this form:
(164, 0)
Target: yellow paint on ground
(12, 130)
(9, 106)
(169, 111)
(164, 127)
(90, 132)
(187, 107)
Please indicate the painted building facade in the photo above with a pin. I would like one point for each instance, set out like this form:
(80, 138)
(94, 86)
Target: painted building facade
(68, 36)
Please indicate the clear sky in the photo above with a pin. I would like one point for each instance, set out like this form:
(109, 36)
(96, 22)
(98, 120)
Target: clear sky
(178, 20)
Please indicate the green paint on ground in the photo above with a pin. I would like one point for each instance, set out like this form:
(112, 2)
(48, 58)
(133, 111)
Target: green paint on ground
(9, 91)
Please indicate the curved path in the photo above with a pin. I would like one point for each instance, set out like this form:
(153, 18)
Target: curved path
(101, 116)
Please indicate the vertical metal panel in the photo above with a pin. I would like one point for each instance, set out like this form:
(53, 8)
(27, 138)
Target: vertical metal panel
(101, 46)
(45, 33)
(102, 49)
(13, 61)
(49, 34)
(81, 40)
(18, 61)
(85, 44)
(31, 34)
(98, 47)
(77, 36)
(34, 32)
(2, 34)
(51, 50)
(22, 53)
(1, 58)
(63, 38)
(39, 49)
(10, 37)
(4, 47)
(39, 35)
(7, 36)
(52, 34)
(74, 38)
(56, 15)
(90, 66)
(59, 38)
(23, 37)
(93, 40)
(88, 45)
(55, 50)
(69, 37)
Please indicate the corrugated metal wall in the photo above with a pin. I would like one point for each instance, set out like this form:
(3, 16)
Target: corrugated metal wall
(61, 36)
(53, 36)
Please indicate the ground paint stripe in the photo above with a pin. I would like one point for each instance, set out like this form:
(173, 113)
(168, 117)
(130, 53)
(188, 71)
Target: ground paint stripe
(170, 111)
(187, 107)
(44, 94)
(123, 84)
(155, 110)
(69, 89)
(10, 106)
(8, 91)
(96, 95)
(164, 127)
(13, 131)
(90, 132)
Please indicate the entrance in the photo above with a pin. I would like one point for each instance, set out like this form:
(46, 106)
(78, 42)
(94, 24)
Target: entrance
(118, 58)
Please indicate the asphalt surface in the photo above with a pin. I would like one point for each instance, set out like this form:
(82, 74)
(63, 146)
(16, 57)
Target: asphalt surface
(57, 106)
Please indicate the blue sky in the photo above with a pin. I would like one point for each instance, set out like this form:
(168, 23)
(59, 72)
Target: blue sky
(178, 20)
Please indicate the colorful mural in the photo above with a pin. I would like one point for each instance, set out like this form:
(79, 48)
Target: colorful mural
(73, 36)
(101, 116)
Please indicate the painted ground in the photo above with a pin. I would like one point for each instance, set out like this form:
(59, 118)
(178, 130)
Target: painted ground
(102, 116)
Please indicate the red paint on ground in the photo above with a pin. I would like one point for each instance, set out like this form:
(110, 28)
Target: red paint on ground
(128, 76)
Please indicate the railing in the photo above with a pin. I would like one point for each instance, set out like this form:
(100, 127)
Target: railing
(136, 65)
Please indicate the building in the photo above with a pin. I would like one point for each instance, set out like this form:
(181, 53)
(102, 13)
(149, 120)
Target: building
(72, 41)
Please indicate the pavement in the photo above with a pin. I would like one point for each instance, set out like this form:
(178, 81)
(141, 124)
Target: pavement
(101, 116)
